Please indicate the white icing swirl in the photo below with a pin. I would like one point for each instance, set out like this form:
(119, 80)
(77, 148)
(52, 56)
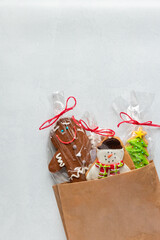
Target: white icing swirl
(60, 161)
(78, 170)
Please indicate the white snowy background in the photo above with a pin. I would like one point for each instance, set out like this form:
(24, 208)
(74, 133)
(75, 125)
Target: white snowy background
(94, 50)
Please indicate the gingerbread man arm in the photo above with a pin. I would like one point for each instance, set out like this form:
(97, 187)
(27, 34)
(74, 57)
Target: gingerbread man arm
(57, 162)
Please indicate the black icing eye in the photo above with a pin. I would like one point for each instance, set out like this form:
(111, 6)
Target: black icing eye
(67, 128)
(112, 160)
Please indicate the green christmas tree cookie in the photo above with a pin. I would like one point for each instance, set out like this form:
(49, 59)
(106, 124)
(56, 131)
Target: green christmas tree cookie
(137, 148)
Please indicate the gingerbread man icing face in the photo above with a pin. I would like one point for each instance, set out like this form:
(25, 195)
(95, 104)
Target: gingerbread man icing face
(73, 149)
(65, 132)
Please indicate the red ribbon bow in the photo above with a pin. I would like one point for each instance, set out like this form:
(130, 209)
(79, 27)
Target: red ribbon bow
(81, 123)
(135, 122)
(102, 132)
(51, 121)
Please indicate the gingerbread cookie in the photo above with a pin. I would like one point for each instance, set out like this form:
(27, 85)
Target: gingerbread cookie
(110, 159)
(73, 149)
(137, 148)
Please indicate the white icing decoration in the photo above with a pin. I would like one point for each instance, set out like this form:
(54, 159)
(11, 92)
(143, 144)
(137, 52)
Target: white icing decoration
(66, 123)
(78, 170)
(60, 161)
(79, 153)
(124, 169)
(55, 128)
(80, 130)
(93, 173)
(116, 155)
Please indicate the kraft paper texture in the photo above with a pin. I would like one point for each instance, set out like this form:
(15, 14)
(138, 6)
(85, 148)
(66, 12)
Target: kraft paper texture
(121, 207)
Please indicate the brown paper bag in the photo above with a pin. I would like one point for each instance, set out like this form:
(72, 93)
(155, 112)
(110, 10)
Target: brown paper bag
(121, 207)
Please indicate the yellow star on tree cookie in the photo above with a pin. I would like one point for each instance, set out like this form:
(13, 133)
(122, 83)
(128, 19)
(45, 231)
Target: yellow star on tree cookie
(140, 133)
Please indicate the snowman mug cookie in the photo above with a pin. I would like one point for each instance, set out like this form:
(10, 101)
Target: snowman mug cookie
(110, 160)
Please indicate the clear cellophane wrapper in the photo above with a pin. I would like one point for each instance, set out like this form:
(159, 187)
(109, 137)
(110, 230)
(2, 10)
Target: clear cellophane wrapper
(138, 107)
(71, 148)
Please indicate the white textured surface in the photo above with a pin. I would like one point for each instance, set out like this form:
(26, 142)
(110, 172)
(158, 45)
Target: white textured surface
(93, 51)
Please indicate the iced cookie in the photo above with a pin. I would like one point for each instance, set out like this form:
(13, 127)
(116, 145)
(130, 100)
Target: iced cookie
(73, 149)
(110, 160)
(137, 148)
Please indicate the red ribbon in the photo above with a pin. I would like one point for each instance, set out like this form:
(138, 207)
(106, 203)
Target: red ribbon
(135, 122)
(51, 121)
(102, 132)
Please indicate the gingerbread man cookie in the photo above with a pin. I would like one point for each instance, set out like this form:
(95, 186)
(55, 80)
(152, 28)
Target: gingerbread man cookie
(73, 149)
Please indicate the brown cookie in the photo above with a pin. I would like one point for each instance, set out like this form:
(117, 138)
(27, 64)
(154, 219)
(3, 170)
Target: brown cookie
(73, 149)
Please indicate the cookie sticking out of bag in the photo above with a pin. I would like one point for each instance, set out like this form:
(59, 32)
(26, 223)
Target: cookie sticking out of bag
(137, 148)
(110, 160)
(73, 149)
